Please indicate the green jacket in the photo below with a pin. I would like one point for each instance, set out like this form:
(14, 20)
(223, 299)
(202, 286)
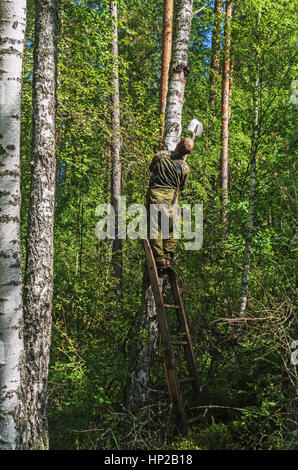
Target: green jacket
(168, 171)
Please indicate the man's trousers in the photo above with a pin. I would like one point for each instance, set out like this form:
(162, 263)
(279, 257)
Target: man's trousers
(161, 220)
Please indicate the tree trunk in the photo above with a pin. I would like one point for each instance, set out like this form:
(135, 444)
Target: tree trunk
(252, 183)
(215, 54)
(144, 349)
(179, 72)
(232, 59)
(115, 147)
(12, 37)
(137, 390)
(166, 60)
(231, 88)
(225, 113)
(251, 205)
(38, 282)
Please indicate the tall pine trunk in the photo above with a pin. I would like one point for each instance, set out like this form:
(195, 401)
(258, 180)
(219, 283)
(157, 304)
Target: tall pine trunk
(138, 386)
(38, 282)
(166, 59)
(231, 79)
(224, 178)
(12, 37)
(115, 147)
(215, 54)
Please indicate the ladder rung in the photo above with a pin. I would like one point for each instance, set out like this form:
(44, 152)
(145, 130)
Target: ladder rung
(183, 343)
(172, 306)
(185, 381)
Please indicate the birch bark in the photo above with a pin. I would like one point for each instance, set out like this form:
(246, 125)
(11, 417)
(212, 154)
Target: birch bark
(145, 347)
(252, 181)
(38, 282)
(179, 72)
(12, 36)
(224, 178)
(251, 204)
(116, 145)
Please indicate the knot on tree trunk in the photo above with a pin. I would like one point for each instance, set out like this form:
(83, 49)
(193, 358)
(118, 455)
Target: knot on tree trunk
(177, 68)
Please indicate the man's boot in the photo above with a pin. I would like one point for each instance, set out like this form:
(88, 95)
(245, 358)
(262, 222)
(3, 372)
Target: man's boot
(161, 266)
(169, 265)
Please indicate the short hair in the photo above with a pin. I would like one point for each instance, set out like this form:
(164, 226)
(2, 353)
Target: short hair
(185, 146)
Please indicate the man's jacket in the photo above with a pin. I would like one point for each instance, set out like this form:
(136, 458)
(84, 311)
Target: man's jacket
(168, 171)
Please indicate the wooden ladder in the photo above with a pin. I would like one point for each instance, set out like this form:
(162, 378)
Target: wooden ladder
(174, 384)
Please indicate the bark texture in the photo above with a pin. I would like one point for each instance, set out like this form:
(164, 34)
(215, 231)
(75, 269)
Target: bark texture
(38, 283)
(251, 204)
(145, 347)
(166, 59)
(179, 72)
(116, 145)
(215, 54)
(224, 178)
(252, 182)
(12, 36)
(231, 88)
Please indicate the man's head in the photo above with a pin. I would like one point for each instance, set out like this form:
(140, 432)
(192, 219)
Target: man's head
(184, 147)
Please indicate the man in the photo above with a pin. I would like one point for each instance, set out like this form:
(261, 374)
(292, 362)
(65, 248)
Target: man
(169, 176)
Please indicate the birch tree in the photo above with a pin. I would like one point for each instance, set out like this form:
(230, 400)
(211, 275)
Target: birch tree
(251, 203)
(12, 36)
(252, 180)
(266, 43)
(178, 74)
(138, 390)
(224, 178)
(38, 282)
(116, 143)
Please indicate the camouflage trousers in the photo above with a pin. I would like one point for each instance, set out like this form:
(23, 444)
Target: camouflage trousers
(162, 242)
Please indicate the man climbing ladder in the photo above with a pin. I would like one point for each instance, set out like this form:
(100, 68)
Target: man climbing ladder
(169, 176)
(170, 173)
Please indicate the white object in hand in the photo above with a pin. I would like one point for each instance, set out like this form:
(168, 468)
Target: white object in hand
(196, 127)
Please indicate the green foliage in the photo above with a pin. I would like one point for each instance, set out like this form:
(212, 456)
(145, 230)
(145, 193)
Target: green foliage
(251, 380)
(214, 437)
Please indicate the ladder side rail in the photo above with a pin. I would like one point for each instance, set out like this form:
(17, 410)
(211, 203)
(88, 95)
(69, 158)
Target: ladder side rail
(183, 324)
(172, 377)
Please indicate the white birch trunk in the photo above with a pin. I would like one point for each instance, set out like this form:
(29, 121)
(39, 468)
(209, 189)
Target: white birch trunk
(252, 184)
(116, 145)
(38, 283)
(12, 36)
(138, 387)
(251, 206)
(179, 72)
